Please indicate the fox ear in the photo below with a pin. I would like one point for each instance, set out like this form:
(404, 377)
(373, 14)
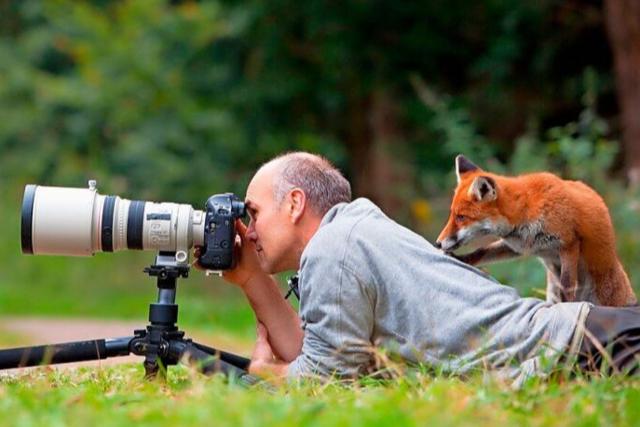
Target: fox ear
(464, 165)
(484, 189)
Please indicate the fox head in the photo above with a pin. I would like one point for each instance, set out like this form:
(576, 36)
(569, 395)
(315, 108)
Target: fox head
(474, 210)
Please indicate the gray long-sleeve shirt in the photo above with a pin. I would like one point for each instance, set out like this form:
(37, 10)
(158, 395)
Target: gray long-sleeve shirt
(366, 281)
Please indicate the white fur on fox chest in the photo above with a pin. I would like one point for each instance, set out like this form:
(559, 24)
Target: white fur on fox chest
(531, 239)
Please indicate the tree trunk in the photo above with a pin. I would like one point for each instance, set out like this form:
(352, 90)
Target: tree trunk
(380, 164)
(359, 147)
(623, 27)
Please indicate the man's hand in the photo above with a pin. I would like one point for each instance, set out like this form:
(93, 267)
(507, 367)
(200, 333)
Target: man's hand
(265, 297)
(247, 264)
(263, 361)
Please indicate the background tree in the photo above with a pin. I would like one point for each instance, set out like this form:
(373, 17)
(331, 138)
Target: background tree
(623, 25)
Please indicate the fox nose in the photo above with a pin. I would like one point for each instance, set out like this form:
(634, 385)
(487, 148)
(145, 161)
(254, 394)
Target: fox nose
(438, 245)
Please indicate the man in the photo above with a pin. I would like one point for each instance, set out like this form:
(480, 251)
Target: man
(366, 282)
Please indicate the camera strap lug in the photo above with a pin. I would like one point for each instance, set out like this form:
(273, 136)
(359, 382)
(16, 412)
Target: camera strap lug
(292, 281)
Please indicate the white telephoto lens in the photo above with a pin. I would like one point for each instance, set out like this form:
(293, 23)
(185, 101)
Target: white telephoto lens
(81, 222)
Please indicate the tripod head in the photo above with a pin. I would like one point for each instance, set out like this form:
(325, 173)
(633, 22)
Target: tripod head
(167, 270)
(166, 267)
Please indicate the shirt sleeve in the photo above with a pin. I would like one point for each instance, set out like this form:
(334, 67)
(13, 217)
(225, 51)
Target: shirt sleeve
(337, 312)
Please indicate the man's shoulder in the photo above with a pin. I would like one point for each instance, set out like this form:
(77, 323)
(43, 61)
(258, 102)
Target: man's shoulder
(338, 246)
(344, 213)
(359, 233)
(346, 230)
(342, 220)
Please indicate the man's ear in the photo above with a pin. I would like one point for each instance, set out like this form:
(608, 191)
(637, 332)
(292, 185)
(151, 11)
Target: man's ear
(297, 204)
(484, 188)
(464, 165)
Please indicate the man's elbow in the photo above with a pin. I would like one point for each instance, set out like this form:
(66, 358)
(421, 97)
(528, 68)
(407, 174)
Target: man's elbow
(289, 352)
(271, 371)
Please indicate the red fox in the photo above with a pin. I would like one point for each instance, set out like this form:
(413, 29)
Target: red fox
(564, 223)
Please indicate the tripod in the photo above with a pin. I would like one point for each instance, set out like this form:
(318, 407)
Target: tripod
(162, 344)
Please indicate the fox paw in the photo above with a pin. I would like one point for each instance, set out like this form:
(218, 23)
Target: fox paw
(471, 258)
(466, 258)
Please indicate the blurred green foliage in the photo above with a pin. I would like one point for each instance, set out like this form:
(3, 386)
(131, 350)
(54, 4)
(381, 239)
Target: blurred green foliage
(181, 99)
(176, 100)
(124, 94)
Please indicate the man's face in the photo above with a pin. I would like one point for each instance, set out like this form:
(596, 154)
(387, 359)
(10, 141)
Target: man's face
(270, 227)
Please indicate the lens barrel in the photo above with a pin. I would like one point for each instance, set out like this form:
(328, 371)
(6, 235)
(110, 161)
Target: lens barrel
(81, 222)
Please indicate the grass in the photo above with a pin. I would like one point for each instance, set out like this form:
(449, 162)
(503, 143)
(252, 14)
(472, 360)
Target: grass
(117, 396)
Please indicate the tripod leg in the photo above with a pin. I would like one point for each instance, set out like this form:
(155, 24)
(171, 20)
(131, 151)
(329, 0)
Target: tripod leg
(234, 359)
(209, 365)
(79, 351)
(155, 366)
(152, 368)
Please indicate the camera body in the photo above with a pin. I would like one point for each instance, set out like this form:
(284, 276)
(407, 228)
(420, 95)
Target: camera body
(222, 210)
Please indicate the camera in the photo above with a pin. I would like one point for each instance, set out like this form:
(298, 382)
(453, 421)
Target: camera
(222, 210)
(81, 222)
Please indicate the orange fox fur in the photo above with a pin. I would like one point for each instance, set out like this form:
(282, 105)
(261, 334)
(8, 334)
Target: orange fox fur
(564, 223)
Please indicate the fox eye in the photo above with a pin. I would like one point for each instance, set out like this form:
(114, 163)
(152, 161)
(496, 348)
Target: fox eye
(459, 218)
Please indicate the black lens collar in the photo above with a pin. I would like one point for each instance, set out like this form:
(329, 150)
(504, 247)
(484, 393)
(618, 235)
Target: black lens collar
(134, 224)
(107, 223)
(27, 219)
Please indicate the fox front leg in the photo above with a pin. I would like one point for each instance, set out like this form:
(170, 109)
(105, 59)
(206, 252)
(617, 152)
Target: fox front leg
(494, 252)
(569, 259)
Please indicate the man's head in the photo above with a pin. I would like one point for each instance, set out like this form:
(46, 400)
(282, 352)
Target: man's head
(286, 201)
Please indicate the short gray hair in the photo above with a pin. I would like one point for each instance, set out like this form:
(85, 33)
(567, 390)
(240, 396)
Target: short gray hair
(322, 183)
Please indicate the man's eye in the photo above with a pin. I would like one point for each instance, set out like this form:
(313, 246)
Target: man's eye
(460, 218)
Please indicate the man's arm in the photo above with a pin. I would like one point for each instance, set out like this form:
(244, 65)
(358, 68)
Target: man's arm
(338, 313)
(276, 314)
(339, 322)
(263, 361)
(266, 299)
